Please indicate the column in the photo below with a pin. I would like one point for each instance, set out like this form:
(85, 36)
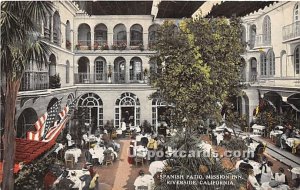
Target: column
(109, 38)
(92, 72)
(127, 65)
(51, 30)
(72, 40)
(128, 39)
(145, 40)
(92, 38)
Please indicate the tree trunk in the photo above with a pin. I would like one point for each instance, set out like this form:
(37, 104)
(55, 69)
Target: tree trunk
(9, 137)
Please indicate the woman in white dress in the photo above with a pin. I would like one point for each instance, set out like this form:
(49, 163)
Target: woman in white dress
(266, 172)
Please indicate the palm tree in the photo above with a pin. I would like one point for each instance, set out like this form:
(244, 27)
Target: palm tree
(20, 44)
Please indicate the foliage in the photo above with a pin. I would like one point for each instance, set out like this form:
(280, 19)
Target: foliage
(31, 175)
(146, 124)
(119, 46)
(235, 144)
(20, 44)
(104, 47)
(68, 44)
(267, 118)
(201, 66)
(54, 81)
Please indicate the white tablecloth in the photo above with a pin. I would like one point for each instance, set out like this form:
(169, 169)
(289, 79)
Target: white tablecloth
(295, 172)
(275, 133)
(140, 151)
(252, 146)
(146, 180)
(76, 152)
(259, 127)
(76, 179)
(156, 166)
(266, 186)
(119, 131)
(97, 152)
(290, 141)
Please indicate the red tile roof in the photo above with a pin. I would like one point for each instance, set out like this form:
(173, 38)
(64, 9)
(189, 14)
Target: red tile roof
(29, 150)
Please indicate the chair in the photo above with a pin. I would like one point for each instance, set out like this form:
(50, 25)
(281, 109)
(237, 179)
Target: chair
(108, 159)
(142, 187)
(139, 159)
(69, 159)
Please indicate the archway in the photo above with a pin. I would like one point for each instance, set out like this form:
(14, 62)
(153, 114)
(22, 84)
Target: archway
(84, 36)
(94, 108)
(120, 34)
(274, 100)
(51, 103)
(253, 69)
(136, 35)
(152, 34)
(83, 70)
(135, 69)
(100, 69)
(56, 29)
(25, 122)
(127, 107)
(159, 112)
(52, 65)
(119, 70)
(100, 33)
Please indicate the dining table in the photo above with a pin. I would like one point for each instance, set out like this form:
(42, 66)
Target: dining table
(255, 165)
(142, 181)
(295, 172)
(267, 186)
(156, 166)
(293, 143)
(140, 151)
(97, 153)
(76, 152)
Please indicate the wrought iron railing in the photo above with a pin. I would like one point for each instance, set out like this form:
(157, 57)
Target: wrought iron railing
(136, 42)
(34, 80)
(83, 45)
(291, 31)
(87, 78)
(262, 40)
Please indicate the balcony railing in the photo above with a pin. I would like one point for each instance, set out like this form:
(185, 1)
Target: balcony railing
(278, 81)
(136, 42)
(101, 44)
(34, 80)
(116, 78)
(83, 45)
(291, 31)
(262, 40)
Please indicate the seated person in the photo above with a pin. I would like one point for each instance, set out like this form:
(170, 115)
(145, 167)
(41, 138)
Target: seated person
(280, 176)
(71, 143)
(252, 183)
(286, 135)
(105, 138)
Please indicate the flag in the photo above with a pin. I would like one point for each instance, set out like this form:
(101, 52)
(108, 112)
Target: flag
(59, 124)
(52, 113)
(36, 135)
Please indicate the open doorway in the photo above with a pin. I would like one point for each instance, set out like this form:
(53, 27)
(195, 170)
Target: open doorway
(128, 114)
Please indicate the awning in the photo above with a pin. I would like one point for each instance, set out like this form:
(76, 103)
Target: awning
(237, 8)
(29, 150)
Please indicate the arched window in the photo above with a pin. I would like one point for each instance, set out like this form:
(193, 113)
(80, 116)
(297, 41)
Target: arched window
(153, 34)
(100, 69)
(94, 105)
(67, 72)
(267, 30)
(283, 65)
(136, 69)
(119, 70)
(100, 38)
(296, 12)
(263, 64)
(271, 62)
(25, 122)
(252, 36)
(84, 37)
(127, 107)
(52, 65)
(68, 36)
(136, 35)
(120, 35)
(56, 29)
(297, 60)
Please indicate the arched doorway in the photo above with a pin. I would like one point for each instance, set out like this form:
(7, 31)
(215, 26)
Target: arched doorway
(127, 107)
(159, 112)
(100, 69)
(84, 37)
(52, 65)
(26, 122)
(119, 70)
(136, 35)
(136, 69)
(274, 100)
(94, 105)
(83, 70)
(120, 35)
(51, 103)
(56, 29)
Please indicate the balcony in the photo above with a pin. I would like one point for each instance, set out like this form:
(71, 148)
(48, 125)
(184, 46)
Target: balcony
(284, 82)
(83, 45)
(291, 32)
(101, 78)
(262, 40)
(101, 45)
(34, 80)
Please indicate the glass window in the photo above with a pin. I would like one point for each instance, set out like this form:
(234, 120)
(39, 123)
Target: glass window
(267, 30)
(263, 65)
(296, 13)
(271, 62)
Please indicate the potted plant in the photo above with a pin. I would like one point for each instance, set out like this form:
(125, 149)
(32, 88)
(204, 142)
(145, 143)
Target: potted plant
(141, 47)
(68, 44)
(78, 46)
(54, 81)
(146, 75)
(104, 47)
(114, 47)
(96, 45)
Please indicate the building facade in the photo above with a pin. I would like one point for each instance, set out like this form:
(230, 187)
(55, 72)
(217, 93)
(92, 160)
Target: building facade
(272, 59)
(103, 59)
